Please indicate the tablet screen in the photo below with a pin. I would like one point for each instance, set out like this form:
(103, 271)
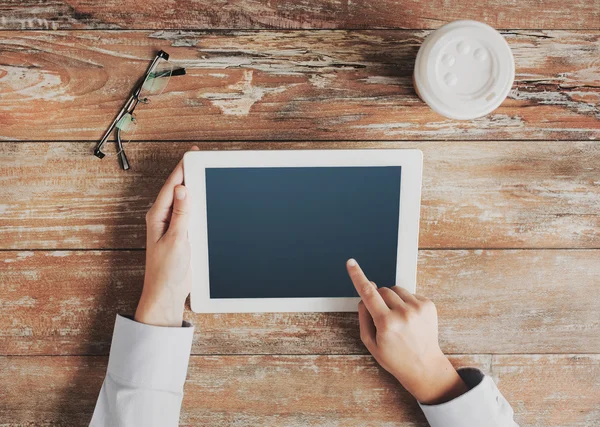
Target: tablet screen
(286, 232)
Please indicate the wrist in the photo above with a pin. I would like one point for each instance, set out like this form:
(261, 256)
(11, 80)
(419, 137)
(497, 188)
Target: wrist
(438, 382)
(160, 310)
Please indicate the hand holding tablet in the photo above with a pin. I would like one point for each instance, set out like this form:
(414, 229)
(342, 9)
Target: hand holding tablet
(167, 280)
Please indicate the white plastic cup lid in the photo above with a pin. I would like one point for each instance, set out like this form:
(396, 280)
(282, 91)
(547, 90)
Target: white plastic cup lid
(464, 70)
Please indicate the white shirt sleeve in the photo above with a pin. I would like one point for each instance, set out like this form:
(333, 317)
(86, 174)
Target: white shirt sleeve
(146, 372)
(482, 405)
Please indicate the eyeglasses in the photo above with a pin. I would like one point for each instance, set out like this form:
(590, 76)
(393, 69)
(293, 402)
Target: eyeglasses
(151, 84)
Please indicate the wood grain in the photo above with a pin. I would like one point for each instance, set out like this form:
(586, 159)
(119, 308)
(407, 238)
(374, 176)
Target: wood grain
(267, 14)
(504, 194)
(526, 301)
(555, 390)
(292, 85)
(545, 390)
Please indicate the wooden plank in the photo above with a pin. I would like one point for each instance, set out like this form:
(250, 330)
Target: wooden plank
(293, 85)
(551, 390)
(521, 301)
(475, 195)
(545, 390)
(286, 14)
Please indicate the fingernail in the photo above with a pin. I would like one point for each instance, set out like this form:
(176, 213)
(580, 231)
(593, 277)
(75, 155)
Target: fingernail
(351, 262)
(179, 193)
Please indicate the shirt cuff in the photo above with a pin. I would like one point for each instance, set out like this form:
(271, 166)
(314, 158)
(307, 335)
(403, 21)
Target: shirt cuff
(154, 357)
(482, 405)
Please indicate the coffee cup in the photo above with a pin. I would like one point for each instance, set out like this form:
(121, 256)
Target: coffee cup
(464, 70)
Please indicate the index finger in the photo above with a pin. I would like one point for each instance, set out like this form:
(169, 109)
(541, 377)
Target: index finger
(367, 291)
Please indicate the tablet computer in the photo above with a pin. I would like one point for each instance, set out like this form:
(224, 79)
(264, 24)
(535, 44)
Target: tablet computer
(271, 231)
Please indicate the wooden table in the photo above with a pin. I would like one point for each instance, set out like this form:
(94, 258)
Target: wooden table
(510, 228)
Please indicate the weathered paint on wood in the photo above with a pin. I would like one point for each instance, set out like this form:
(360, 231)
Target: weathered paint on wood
(520, 301)
(293, 85)
(545, 390)
(520, 194)
(268, 14)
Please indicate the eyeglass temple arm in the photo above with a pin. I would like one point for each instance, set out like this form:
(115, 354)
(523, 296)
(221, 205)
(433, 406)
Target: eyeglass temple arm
(178, 72)
(130, 102)
(123, 111)
(121, 154)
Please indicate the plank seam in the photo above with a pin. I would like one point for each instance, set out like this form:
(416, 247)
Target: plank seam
(274, 30)
(310, 354)
(420, 249)
(294, 141)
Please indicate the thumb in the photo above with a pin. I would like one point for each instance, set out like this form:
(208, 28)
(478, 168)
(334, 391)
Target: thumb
(180, 215)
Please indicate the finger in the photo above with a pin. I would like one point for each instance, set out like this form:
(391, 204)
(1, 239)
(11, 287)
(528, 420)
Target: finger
(164, 200)
(160, 211)
(373, 283)
(421, 298)
(181, 213)
(368, 293)
(368, 332)
(391, 298)
(406, 296)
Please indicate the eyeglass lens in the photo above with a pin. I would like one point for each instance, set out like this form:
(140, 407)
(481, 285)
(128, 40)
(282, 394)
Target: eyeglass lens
(156, 81)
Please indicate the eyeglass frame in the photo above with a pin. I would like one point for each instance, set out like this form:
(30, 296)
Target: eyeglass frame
(129, 107)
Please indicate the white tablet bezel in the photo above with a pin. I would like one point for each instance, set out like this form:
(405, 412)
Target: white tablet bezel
(195, 164)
